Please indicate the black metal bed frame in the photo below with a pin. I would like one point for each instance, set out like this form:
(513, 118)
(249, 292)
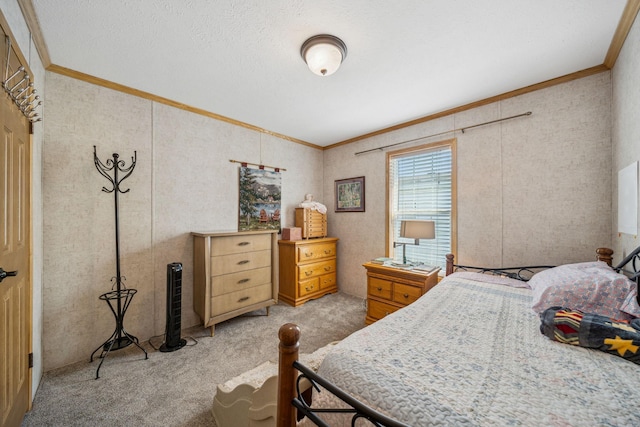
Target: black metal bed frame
(634, 259)
(361, 410)
(357, 408)
(518, 273)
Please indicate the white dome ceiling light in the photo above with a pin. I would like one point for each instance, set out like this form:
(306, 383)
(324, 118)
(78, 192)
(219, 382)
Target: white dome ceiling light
(323, 54)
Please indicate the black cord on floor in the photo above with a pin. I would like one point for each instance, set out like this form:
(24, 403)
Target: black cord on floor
(153, 346)
(195, 341)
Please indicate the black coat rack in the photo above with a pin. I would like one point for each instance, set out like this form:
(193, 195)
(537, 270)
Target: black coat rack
(120, 296)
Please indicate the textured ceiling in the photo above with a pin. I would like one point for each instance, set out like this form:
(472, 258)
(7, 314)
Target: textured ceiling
(406, 59)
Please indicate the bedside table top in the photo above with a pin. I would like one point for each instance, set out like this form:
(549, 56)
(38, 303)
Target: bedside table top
(398, 272)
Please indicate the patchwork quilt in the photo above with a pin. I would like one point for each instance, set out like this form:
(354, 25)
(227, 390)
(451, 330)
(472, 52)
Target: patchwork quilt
(617, 337)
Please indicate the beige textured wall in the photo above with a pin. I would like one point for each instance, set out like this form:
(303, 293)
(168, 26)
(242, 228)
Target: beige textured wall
(626, 127)
(183, 182)
(530, 190)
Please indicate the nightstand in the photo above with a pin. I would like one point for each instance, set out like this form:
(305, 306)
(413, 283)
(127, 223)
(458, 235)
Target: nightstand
(389, 289)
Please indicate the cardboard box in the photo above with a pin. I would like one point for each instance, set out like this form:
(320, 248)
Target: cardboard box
(293, 233)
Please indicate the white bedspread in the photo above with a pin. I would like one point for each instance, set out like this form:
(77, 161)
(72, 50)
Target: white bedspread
(471, 354)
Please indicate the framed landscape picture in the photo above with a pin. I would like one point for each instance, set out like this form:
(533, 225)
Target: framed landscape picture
(350, 194)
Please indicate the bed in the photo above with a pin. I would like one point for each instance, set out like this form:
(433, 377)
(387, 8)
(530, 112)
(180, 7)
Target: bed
(473, 352)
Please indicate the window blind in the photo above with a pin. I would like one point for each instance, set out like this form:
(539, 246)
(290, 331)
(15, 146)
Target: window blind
(420, 187)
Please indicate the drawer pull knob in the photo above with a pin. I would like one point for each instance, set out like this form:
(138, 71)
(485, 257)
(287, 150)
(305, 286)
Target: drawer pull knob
(243, 299)
(243, 243)
(406, 295)
(308, 288)
(243, 280)
(308, 273)
(379, 289)
(245, 261)
(308, 254)
(327, 268)
(327, 251)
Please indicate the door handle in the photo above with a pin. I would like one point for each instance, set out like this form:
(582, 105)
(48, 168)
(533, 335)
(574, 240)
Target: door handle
(4, 274)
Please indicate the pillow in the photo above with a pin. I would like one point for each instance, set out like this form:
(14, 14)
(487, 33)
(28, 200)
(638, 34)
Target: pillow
(591, 287)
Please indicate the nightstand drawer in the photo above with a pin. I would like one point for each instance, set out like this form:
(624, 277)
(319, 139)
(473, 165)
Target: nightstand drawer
(306, 287)
(406, 294)
(378, 310)
(316, 269)
(379, 288)
(314, 252)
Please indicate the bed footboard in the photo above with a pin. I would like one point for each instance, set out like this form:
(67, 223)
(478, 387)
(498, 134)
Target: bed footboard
(289, 335)
(291, 373)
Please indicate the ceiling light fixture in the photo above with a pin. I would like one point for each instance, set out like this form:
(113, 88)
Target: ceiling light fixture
(323, 54)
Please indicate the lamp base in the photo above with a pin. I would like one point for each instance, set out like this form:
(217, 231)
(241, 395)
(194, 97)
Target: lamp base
(404, 251)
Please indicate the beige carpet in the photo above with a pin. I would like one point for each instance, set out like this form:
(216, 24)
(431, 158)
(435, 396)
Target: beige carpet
(177, 389)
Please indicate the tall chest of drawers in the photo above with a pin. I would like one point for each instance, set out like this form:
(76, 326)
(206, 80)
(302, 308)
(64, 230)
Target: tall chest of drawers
(233, 274)
(307, 269)
(312, 223)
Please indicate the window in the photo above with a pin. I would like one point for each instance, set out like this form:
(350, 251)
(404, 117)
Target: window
(421, 185)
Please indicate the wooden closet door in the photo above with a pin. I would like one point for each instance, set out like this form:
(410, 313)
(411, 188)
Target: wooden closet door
(15, 243)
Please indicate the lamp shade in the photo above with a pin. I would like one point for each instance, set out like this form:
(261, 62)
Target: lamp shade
(418, 229)
(323, 54)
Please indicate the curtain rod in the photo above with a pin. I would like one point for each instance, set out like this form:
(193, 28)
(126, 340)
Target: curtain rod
(528, 113)
(244, 164)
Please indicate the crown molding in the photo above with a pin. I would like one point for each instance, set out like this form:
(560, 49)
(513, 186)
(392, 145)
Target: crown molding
(146, 95)
(506, 95)
(624, 26)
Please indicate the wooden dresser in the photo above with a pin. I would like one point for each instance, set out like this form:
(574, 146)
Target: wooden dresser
(307, 269)
(312, 223)
(389, 289)
(233, 273)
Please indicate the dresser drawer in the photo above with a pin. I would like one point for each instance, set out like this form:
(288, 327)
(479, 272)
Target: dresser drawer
(316, 226)
(238, 299)
(313, 252)
(379, 288)
(226, 283)
(327, 281)
(316, 269)
(306, 287)
(316, 221)
(320, 232)
(378, 310)
(240, 244)
(226, 264)
(406, 294)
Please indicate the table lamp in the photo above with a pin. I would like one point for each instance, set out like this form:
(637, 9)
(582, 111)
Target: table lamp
(415, 229)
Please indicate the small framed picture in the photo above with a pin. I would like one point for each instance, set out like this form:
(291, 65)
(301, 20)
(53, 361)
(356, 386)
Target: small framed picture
(350, 194)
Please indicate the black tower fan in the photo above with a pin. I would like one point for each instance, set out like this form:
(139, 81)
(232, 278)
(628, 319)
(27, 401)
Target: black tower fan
(172, 341)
